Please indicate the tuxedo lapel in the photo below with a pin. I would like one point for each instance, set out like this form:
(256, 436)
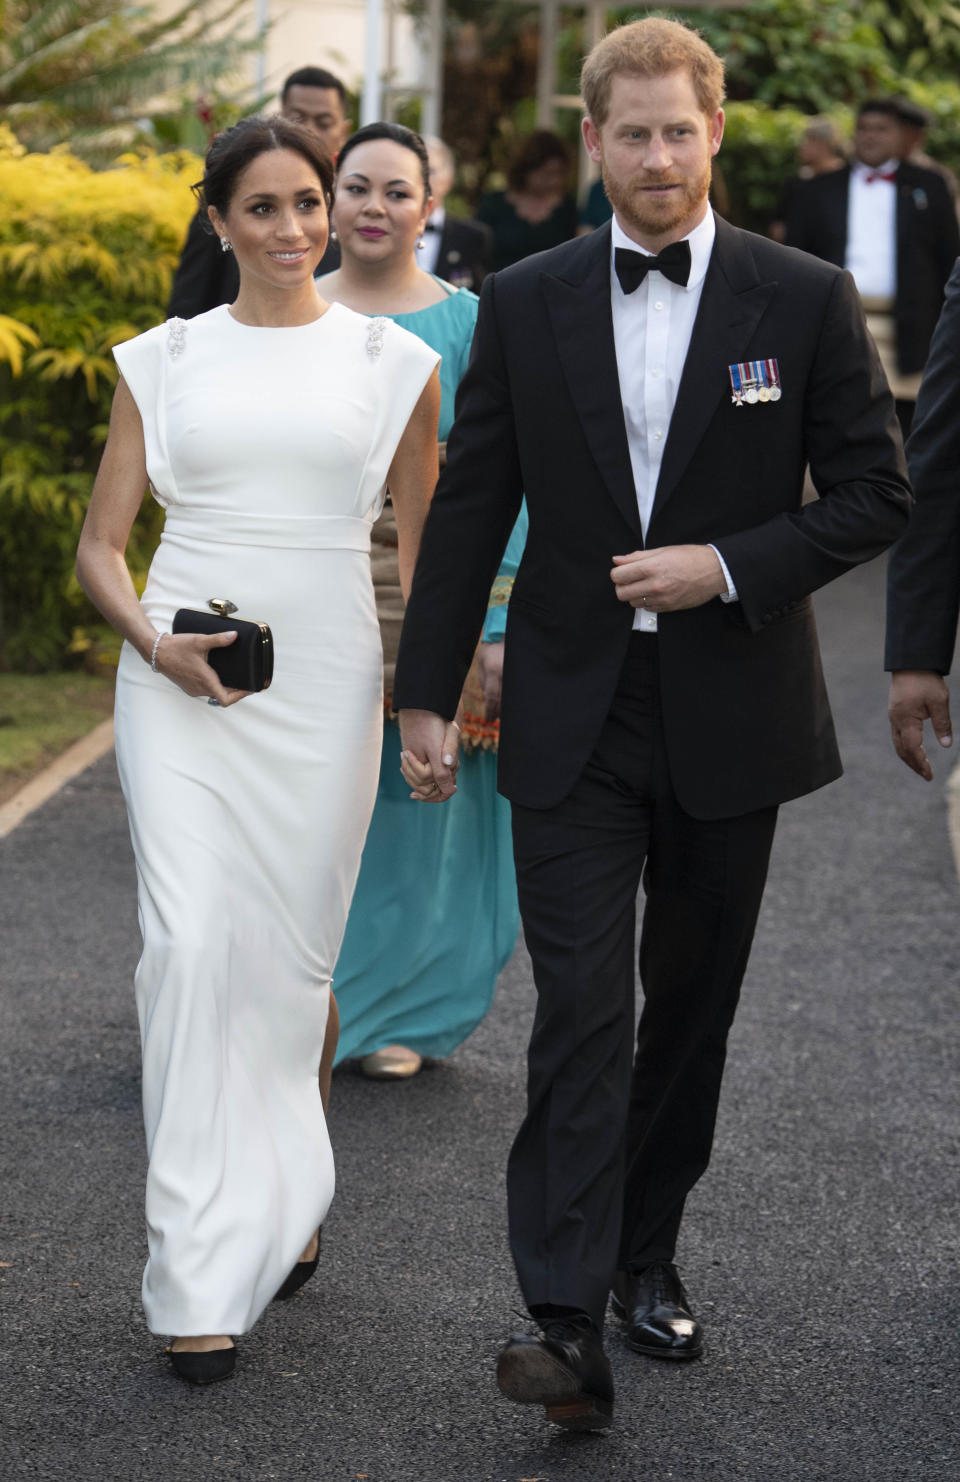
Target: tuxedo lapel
(578, 303)
(732, 304)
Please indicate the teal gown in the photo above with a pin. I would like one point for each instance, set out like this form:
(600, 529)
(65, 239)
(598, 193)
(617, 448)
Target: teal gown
(434, 916)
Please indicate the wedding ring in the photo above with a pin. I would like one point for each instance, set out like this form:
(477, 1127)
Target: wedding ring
(212, 701)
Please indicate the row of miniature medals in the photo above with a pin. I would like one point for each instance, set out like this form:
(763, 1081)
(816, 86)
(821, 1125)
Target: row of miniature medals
(755, 381)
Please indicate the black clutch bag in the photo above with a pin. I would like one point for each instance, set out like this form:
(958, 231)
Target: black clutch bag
(245, 664)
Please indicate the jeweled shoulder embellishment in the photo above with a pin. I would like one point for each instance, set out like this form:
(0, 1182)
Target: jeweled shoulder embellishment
(176, 336)
(375, 337)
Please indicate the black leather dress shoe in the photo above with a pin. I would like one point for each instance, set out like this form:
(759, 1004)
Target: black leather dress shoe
(204, 1368)
(656, 1309)
(565, 1369)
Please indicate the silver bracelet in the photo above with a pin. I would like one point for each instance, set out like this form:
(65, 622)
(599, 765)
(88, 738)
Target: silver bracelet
(153, 653)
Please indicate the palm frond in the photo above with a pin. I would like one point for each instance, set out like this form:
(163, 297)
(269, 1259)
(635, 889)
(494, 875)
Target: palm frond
(76, 48)
(91, 70)
(200, 19)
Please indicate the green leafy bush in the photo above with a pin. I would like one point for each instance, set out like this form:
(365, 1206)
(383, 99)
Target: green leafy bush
(86, 259)
(758, 155)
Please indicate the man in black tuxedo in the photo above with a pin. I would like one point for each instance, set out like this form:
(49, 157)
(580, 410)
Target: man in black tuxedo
(656, 390)
(923, 577)
(892, 224)
(207, 276)
(457, 250)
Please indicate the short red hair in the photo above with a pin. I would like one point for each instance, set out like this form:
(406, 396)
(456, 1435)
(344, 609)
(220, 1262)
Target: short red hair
(651, 48)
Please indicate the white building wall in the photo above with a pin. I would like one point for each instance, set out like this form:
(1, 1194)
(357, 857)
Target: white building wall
(331, 34)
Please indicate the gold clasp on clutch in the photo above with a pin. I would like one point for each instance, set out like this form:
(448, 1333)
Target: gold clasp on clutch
(222, 606)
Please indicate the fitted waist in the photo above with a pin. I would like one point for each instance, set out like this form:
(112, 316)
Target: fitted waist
(291, 532)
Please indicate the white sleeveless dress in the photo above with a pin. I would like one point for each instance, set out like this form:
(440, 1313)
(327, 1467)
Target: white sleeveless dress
(269, 449)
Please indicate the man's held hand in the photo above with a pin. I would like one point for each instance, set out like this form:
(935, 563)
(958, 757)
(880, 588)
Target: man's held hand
(918, 695)
(428, 758)
(669, 578)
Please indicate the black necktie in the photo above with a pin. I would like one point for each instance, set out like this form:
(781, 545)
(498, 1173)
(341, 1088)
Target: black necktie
(632, 267)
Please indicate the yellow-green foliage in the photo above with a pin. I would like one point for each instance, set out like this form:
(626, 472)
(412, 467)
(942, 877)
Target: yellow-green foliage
(86, 259)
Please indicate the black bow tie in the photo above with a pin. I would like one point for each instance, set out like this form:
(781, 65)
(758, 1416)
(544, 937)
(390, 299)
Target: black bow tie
(632, 267)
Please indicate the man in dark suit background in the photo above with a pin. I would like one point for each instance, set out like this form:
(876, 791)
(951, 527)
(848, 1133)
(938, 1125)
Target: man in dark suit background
(892, 224)
(207, 276)
(655, 390)
(457, 250)
(923, 576)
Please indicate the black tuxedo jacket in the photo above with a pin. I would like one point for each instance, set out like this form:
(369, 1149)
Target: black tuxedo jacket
(466, 251)
(539, 413)
(928, 242)
(923, 578)
(207, 276)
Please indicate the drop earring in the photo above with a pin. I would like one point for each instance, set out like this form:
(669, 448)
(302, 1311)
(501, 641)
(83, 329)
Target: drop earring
(225, 245)
(419, 244)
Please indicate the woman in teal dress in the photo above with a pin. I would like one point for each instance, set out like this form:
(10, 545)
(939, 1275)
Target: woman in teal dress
(434, 916)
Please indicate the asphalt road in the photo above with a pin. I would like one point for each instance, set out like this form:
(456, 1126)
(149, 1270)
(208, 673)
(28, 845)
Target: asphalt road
(820, 1250)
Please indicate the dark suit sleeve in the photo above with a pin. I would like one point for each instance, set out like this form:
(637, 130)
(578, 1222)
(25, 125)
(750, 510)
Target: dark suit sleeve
(205, 276)
(923, 579)
(474, 509)
(855, 453)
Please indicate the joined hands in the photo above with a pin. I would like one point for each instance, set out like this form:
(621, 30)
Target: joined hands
(430, 755)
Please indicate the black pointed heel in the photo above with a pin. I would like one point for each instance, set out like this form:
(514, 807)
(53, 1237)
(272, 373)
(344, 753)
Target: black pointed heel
(299, 1276)
(204, 1368)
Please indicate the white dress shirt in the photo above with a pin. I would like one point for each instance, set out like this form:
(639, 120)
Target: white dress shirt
(651, 333)
(872, 230)
(427, 254)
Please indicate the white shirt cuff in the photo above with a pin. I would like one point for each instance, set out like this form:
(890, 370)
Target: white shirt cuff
(731, 595)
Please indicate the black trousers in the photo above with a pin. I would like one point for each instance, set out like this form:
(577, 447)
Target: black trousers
(613, 1140)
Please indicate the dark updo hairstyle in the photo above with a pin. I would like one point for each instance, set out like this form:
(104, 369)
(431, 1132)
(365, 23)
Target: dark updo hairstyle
(236, 148)
(397, 134)
(532, 152)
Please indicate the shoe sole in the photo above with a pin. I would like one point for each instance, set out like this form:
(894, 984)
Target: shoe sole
(647, 1349)
(531, 1376)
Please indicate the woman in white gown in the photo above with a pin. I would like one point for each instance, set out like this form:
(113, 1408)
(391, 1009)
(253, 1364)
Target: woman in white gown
(268, 430)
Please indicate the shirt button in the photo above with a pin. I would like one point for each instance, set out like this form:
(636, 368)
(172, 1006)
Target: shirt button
(658, 434)
(658, 304)
(655, 374)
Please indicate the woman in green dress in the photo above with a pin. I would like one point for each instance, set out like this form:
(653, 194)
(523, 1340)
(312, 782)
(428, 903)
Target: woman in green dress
(434, 916)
